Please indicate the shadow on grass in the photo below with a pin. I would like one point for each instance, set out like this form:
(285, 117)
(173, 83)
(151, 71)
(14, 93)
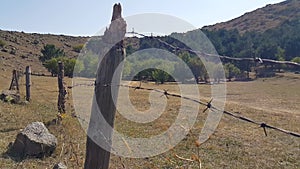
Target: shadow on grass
(19, 157)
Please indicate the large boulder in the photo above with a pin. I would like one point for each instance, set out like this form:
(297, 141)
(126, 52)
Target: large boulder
(34, 141)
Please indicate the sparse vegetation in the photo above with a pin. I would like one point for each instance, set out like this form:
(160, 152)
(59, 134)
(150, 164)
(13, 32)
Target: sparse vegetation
(78, 48)
(2, 43)
(160, 75)
(296, 59)
(234, 144)
(69, 65)
(280, 43)
(262, 19)
(231, 71)
(50, 51)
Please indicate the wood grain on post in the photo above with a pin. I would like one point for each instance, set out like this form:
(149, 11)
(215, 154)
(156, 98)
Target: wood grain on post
(61, 89)
(101, 123)
(28, 82)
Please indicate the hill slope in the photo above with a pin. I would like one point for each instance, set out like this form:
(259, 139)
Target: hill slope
(21, 49)
(262, 19)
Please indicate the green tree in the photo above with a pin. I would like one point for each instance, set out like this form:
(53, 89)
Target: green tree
(218, 72)
(126, 70)
(79, 67)
(2, 43)
(280, 55)
(231, 71)
(181, 72)
(78, 48)
(162, 72)
(90, 64)
(160, 75)
(51, 66)
(198, 69)
(69, 65)
(50, 51)
(181, 69)
(296, 59)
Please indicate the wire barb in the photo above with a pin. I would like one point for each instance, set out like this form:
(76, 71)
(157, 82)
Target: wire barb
(208, 106)
(263, 125)
(165, 93)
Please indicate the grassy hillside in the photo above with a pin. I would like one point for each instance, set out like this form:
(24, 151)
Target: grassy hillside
(234, 144)
(262, 19)
(20, 49)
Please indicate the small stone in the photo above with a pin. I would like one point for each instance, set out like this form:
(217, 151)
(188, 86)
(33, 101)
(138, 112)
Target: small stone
(11, 96)
(59, 166)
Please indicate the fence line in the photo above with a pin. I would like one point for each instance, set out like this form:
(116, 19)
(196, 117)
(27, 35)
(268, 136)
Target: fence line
(259, 60)
(208, 105)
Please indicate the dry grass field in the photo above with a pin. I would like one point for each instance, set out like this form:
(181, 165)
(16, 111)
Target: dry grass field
(235, 144)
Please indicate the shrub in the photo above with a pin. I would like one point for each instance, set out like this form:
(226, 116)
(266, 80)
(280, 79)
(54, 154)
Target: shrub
(69, 65)
(52, 66)
(50, 51)
(160, 76)
(296, 59)
(2, 43)
(231, 71)
(78, 48)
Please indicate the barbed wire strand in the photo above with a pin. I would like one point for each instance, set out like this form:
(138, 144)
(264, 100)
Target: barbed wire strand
(260, 60)
(208, 105)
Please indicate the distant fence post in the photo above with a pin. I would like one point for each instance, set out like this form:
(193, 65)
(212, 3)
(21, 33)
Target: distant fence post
(28, 82)
(14, 84)
(61, 89)
(98, 155)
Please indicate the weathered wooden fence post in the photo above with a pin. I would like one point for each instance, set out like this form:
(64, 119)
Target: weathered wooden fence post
(14, 85)
(28, 82)
(61, 89)
(102, 121)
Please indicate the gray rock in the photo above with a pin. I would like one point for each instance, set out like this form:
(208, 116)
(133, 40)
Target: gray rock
(12, 96)
(34, 141)
(59, 166)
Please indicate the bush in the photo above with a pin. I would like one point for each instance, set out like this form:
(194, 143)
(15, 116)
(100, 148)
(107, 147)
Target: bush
(2, 43)
(296, 59)
(69, 65)
(231, 71)
(78, 48)
(50, 51)
(89, 65)
(160, 76)
(52, 66)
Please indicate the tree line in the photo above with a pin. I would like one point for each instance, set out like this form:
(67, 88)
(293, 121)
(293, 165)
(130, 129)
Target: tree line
(86, 65)
(280, 43)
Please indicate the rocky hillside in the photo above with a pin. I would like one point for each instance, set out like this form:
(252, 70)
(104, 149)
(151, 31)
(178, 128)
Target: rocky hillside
(262, 19)
(19, 49)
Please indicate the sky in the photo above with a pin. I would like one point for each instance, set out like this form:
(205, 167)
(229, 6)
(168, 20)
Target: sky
(85, 18)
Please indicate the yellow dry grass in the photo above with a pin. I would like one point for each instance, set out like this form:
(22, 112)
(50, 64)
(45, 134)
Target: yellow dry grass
(235, 144)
